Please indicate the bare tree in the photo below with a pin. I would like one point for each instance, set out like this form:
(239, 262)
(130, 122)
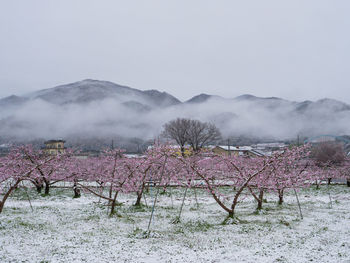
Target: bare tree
(193, 132)
(177, 130)
(201, 134)
(328, 154)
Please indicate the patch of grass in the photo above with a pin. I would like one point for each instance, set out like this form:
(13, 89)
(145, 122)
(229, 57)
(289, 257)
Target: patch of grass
(138, 208)
(284, 222)
(179, 230)
(197, 226)
(167, 207)
(92, 217)
(115, 214)
(165, 193)
(29, 225)
(135, 233)
(193, 208)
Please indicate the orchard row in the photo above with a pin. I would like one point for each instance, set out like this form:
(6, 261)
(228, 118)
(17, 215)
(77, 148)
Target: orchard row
(112, 173)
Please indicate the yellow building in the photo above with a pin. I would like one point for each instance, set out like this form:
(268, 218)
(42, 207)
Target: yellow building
(54, 147)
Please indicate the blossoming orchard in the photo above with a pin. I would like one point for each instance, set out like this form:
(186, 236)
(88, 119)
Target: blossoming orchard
(163, 167)
(230, 182)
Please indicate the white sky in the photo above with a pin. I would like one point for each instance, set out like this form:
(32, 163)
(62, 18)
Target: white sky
(293, 49)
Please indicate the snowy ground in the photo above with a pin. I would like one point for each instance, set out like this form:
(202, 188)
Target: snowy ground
(62, 229)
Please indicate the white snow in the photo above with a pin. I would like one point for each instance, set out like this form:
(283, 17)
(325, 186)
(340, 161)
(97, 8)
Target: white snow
(62, 229)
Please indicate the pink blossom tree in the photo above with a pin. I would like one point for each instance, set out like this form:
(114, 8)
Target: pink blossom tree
(110, 171)
(51, 172)
(15, 168)
(216, 171)
(292, 169)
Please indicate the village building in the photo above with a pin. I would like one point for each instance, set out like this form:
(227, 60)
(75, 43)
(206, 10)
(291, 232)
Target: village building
(237, 151)
(54, 147)
(269, 148)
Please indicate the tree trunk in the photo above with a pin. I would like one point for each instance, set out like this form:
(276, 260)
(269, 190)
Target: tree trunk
(260, 199)
(139, 195)
(138, 200)
(112, 207)
(39, 188)
(113, 203)
(7, 194)
(318, 184)
(235, 199)
(231, 214)
(348, 183)
(1, 206)
(329, 181)
(182, 151)
(47, 188)
(76, 191)
(233, 206)
(280, 196)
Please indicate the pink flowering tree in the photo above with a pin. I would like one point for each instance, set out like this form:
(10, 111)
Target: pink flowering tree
(235, 172)
(51, 172)
(292, 169)
(138, 169)
(15, 168)
(109, 171)
(328, 171)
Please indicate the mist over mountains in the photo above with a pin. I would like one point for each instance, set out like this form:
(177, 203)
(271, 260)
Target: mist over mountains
(102, 109)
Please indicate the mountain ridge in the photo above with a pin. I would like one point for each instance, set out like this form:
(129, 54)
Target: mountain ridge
(103, 107)
(85, 84)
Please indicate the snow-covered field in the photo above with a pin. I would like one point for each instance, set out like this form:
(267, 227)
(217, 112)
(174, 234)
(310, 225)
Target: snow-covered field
(62, 229)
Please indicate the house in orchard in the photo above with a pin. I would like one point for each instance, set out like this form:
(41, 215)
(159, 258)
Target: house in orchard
(54, 147)
(237, 150)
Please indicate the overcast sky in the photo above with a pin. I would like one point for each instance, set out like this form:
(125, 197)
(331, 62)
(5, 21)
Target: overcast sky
(292, 49)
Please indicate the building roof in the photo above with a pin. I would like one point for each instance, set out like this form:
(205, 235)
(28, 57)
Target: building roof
(241, 149)
(235, 148)
(54, 141)
(269, 145)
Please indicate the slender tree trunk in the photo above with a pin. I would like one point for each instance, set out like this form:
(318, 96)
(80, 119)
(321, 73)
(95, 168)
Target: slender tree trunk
(138, 200)
(2, 205)
(280, 196)
(318, 184)
(47, 188)
(114, 201)
(348, 183)
(7, 194)
(231, 214)
(112, 208)
(329, 180)
(139, 196)
(235, 199)
(76, 191)
(260, 199)
(182, 151)
(39, 187)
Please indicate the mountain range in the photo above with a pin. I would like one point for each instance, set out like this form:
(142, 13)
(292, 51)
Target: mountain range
(102, 109)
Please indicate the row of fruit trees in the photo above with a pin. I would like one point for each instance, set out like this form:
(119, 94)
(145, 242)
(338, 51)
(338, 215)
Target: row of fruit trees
(112, 173)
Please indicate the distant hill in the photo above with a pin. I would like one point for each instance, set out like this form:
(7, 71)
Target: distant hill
(89, 90)
(102, 109)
